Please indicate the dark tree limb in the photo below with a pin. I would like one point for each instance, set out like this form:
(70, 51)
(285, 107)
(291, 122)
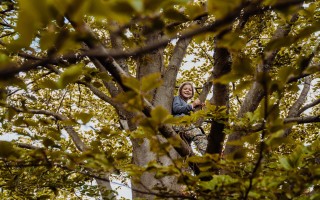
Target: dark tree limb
(222, 66)
(310, 105)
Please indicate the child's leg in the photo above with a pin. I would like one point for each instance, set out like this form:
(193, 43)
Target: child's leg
(198, 138)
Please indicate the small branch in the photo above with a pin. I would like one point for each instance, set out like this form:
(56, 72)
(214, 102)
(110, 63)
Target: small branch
(302, 120)
(7, 25)
(237, 97)
(7, 34)
(207, 55)
(316, 69)
(99, 94)
(13, 92)
(27, 146)
(298, 120)
(304, 108)
(62, 99)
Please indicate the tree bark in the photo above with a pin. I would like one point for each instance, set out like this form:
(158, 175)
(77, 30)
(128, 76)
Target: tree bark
(222, 66)
(294, 110)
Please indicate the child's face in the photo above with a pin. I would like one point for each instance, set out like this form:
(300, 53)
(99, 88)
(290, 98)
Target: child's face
(186, 91)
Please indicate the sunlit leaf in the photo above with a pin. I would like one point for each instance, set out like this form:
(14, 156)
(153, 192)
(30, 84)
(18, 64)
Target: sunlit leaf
(70, 75)
(232, 41)
(137, 5)
(194, 10)
(132, 83)
(285, 163)
(84, 117)
(159, 114)
(175, 15)
(32, 15)
(150, 82)
(7, 150)
(48, 83)
(221, 8)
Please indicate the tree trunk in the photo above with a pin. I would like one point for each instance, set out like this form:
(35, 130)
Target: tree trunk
(220, 97)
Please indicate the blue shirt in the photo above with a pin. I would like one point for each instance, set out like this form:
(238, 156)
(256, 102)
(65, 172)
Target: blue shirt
(180, 107)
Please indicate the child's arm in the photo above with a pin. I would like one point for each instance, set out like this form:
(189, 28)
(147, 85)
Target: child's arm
(179, 108)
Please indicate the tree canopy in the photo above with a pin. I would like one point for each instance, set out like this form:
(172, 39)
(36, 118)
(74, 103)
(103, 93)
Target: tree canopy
(86, 89)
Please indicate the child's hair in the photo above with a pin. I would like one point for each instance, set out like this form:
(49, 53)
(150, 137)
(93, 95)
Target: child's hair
(186, 83)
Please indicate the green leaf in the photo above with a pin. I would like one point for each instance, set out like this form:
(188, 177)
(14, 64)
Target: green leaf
(7, 150)
(47, 142)
(47, 40)
(132, 83)
(251, 138)
(70, 75)
(48, 83)
(280, 42)
(228, 78)
(84, 117)
(243, 85)
(232, 41)
(11, 113)
(120, 10)
(4, 59)
(284, 73)
(175, 15)
(17, 82)
(159, 114)
(137, 5)
(53, 133)
(104, 76)
(150, 82)
(194, 10)
(31, 122)
(285, 163)
(222, 8)
(241, 67)
(32, 15)
(97, 84)
(287, 41)
(218, 181)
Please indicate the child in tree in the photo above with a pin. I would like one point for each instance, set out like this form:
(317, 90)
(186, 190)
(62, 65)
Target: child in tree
(181, 107)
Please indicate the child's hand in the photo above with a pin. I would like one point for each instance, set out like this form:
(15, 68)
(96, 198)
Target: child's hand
(196, 103)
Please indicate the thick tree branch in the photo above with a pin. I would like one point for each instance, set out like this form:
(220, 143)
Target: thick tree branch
(294, 110)
(100, 94)
(222, 66)
(117, 44)
(110, 85)
(165, 92)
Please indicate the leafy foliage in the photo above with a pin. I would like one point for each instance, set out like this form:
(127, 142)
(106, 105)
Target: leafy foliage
(85, 85)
